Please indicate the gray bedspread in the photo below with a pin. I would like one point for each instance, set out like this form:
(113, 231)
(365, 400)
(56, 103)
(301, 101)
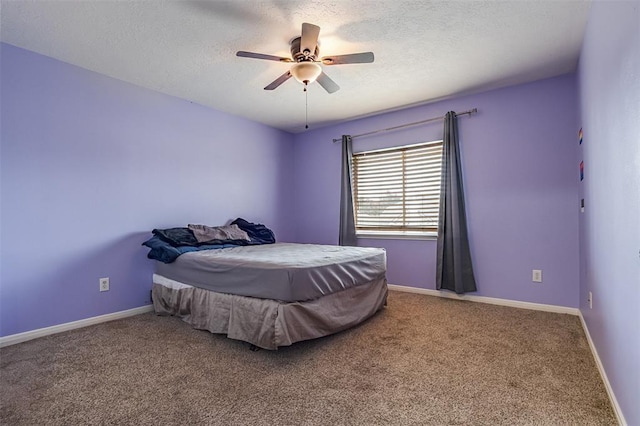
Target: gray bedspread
(283, 271)
(267, 323)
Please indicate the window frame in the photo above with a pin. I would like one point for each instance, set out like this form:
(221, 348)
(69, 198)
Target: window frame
(412, 234)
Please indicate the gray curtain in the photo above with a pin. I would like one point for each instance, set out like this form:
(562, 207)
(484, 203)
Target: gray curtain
(454, 270)
(347, 235)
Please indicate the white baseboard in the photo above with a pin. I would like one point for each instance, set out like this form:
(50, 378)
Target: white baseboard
(490, 300)
(614, 402)
(41, 332)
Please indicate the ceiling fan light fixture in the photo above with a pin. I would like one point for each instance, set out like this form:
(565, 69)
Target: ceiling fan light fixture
(306, 72)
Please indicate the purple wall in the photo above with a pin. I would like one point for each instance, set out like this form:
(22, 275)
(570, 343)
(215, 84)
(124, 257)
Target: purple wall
(521, 185)
(90, 164)
(609, 90)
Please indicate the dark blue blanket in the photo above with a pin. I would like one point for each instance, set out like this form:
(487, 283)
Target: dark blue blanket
(177, 237)
(258, 233)
(165, 252)
(167, 244)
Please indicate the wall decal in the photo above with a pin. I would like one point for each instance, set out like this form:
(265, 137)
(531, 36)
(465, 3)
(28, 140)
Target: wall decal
(580, 134)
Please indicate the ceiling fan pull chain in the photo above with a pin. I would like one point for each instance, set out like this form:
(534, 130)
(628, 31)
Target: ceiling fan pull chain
(306, 106)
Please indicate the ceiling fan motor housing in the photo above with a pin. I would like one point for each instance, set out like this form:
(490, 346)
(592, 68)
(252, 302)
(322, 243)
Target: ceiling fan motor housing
(299, 56)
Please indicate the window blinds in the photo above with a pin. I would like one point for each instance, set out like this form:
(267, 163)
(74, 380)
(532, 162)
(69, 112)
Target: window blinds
(398, 189)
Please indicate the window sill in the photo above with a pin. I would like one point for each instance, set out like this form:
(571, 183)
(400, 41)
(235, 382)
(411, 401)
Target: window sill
(381, 235)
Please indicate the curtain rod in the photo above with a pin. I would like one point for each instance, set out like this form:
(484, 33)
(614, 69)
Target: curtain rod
(469, 112)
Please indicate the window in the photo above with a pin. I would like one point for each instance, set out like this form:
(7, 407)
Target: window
(397, 190)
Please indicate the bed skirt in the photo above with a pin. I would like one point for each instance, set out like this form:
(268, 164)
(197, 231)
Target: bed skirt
(269, 323)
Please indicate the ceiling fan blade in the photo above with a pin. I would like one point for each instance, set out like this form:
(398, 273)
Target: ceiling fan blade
(278, 81)
(309, 39)
(244, 54)
(328, 84)
(353, 58)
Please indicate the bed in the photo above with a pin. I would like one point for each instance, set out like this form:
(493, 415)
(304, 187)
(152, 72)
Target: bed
(273, 295)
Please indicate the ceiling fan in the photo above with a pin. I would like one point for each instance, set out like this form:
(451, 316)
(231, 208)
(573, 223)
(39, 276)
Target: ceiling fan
(306, 68)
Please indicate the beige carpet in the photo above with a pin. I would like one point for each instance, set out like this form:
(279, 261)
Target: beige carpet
(422, 361)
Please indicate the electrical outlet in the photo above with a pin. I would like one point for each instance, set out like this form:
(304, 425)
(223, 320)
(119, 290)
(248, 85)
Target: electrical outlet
(590, 300)
(104, 284)
(537, 276)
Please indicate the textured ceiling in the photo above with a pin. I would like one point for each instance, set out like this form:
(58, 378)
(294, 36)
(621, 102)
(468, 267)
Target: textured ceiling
(423, 50)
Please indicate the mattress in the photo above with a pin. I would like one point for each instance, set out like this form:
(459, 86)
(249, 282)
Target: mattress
(282, 271)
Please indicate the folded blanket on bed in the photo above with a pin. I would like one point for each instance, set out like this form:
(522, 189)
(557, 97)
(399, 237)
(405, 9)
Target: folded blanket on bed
(204, 233)
(167, 244)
